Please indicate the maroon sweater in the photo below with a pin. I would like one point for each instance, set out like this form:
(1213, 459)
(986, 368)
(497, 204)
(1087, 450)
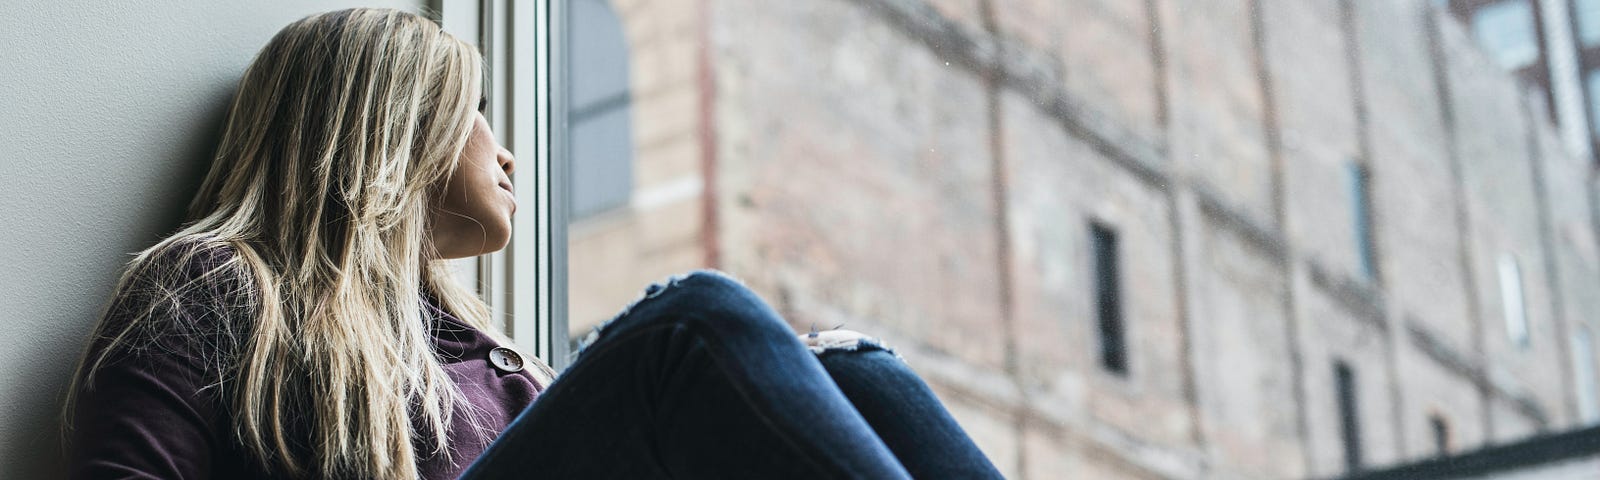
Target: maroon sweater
(151, 414)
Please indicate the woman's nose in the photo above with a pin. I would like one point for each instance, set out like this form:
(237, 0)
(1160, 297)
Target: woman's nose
(507, 161)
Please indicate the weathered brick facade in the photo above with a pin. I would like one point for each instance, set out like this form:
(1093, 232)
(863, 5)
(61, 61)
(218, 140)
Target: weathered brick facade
(927, 171)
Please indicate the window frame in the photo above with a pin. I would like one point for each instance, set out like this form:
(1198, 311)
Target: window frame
(524, 284)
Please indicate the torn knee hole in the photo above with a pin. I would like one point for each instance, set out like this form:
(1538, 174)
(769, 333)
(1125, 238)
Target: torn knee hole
(842, 341)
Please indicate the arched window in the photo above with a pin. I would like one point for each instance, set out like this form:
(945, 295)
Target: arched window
(599, 125)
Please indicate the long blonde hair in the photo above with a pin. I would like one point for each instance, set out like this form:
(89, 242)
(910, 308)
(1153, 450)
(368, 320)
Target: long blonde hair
(345, 125)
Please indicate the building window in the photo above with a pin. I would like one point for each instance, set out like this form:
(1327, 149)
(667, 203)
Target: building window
(1108, 297)
(1587, 14)
(1361, 219)
(599, 130)
(1592, 81)
(1511, 300)
(1344, 380)
(1507, 32)
(1583, 367)
(1441, 434)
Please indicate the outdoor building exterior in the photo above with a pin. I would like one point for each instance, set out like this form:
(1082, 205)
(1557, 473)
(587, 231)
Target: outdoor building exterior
(1122, 239)
(1552, 46)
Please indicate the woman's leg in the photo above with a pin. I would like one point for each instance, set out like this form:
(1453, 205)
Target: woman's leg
(903, 411)
(700, 379)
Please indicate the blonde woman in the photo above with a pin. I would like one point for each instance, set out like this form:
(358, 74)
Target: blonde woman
(303, 325)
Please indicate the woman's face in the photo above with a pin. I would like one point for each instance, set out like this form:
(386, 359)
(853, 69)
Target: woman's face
(472, 216)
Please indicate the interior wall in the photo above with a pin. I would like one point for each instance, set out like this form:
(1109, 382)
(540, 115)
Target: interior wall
(108, 113)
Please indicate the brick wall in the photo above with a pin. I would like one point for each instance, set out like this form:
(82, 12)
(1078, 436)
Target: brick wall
(927, 170)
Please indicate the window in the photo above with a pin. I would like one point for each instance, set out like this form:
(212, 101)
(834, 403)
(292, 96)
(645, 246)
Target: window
(1511, 301)
(1507, 33)
(1349, 415)
(1361, 220)
(1441, 434)
(1108, 307)
(1583, 367)
(1587, 15)
(1592, 81)
(598, 110)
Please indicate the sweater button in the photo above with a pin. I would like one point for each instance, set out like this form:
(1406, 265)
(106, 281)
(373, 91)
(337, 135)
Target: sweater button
(505, 359)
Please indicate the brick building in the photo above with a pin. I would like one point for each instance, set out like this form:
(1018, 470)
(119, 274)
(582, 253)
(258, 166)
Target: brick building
(1121, 238)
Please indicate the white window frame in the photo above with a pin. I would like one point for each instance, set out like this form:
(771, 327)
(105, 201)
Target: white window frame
(524, 284)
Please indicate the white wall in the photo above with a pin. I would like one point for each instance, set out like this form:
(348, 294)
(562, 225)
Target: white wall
(108, 112)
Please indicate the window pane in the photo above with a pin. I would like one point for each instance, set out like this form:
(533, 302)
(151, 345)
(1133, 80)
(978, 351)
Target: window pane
(1593, 84)
(1113, 345)
(1588, 386)
(1349, 414)
(599, 111)
(1356, 178)
(1507, 32)
(603, 180)
(1515, 312)
(1587, 14)
(1441, 434)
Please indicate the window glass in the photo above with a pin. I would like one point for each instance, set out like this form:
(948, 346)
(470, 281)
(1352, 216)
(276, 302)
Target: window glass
(1592, 81)
(1113, 344)
(1583, 366)
(1360, 208)
(1506, 31)
(599, 117)
(1587, 15)
(1441, 434)
(1349, 414)
(1514, 311)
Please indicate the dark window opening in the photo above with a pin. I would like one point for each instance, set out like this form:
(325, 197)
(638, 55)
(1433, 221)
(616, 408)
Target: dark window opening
(1344, 380)
(1108, 293)
(1441, 434)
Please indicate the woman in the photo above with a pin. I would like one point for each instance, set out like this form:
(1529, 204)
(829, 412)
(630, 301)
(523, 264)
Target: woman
(303, 323)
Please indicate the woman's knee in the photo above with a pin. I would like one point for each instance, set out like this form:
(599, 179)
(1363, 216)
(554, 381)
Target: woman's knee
(718, 301)
(709, 299)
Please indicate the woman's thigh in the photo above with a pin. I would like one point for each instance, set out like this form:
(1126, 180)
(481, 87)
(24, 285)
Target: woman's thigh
(698, 379)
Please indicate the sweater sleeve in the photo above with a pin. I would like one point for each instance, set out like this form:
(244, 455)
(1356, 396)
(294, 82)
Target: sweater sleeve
(143, 417)
(146, 412)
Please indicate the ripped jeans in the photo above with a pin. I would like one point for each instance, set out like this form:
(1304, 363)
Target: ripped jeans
(702, 379)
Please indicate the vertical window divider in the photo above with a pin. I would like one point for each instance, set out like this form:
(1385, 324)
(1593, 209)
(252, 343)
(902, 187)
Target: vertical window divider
(525, 284)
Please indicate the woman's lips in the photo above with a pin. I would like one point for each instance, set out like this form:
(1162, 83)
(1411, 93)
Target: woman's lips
(512, 193)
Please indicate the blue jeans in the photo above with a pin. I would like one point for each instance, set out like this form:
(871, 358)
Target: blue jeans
(701, 379)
